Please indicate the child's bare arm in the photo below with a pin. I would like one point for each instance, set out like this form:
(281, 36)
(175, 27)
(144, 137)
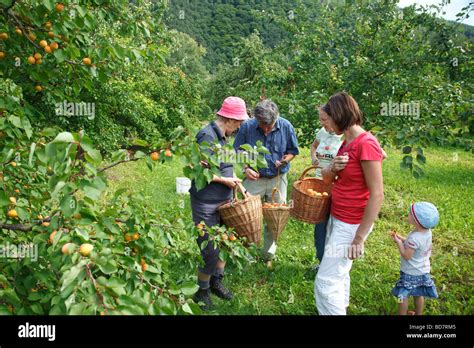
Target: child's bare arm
(401, 238)
(393, 234)
(406, 252)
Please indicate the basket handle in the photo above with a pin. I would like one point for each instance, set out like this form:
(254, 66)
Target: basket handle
(274, 190)
(307, 170)
(243, 191)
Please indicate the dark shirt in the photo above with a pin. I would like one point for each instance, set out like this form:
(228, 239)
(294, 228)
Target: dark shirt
(213, 191)
(280, 141)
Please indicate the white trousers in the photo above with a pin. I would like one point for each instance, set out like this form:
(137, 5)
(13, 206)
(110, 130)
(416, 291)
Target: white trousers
(332, 283)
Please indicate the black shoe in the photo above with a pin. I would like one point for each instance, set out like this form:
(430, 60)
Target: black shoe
(203, 295)
(218, 289)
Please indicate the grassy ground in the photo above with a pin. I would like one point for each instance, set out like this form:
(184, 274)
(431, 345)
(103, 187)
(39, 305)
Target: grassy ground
(288, 288)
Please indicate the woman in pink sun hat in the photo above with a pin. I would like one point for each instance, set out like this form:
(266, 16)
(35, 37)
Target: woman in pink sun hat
(204, 203)
(233, 108)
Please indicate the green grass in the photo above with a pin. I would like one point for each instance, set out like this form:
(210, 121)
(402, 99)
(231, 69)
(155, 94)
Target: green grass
(288, 288)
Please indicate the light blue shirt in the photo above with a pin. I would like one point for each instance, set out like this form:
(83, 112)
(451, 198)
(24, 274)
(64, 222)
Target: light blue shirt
(280, 141)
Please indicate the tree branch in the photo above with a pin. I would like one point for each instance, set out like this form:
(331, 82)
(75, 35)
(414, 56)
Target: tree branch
(160, 290)
(117, 163)
(99, 295)
(16, 227)
(20, 24)
(22, 227)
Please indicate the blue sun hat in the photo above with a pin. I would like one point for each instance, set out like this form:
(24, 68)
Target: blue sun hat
(425, 214)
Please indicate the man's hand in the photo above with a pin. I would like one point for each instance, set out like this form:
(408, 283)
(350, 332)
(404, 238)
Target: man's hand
(251, 174)
(231, 182)
(284, 160)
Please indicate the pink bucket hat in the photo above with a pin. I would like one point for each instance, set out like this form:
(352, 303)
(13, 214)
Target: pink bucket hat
(234, 108)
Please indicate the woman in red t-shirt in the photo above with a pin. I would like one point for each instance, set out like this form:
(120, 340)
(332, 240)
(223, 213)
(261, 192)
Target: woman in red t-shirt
(357, 196)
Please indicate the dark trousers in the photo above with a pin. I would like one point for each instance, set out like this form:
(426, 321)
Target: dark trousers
(320, 239)
(207, 212)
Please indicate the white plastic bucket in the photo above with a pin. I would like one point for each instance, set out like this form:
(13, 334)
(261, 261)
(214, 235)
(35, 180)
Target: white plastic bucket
(182, 185)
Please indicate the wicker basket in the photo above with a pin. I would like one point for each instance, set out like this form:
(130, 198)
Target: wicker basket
(276, 217)
(244, 215)
(309, 208)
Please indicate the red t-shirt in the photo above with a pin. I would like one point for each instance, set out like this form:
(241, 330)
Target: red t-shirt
(350, 193)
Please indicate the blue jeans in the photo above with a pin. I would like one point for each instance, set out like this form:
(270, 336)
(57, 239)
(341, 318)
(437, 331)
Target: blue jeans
(320, 239)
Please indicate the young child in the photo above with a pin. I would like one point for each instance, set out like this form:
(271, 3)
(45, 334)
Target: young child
(415, 251)
(323, 150)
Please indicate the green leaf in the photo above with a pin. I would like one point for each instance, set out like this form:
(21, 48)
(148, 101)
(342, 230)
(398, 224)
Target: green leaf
(37, 309)
(59, 54)
(247, 147)
(9, 295)
(404, 165)
(74, 274)
(68, 205)
(77, 309)
(57, 309)
(118, 155)
(118, 193)
(4, 310)
(152, 269)
(64, 137)
(165, 306)
(187, 309)
(109, 268)
(3, 280)
(139, 154)
(16, 121)
(420, 159)
(49, 4)
(140, 142)
(4, 200)
(22, 213)
(263, 150)
(86, 144)
(189, 288)
(81, 10)
(114, 282)
(59, 186)
(26, 126)
(92, 192)
(93, 157)
(35, 296)
(406, 149)
(82, 233)
(32, 151)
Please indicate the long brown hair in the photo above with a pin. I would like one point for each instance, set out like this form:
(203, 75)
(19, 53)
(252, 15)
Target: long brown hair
(344, 110)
